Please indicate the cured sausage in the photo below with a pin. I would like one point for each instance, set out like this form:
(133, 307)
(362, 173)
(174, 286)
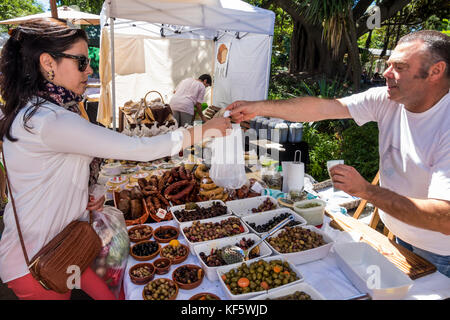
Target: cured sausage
(183, 192)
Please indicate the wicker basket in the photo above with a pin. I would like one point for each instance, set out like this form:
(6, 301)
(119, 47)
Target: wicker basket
(142, 219)
(142, 113)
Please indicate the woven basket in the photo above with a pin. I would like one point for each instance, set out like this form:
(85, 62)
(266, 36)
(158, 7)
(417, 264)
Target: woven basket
(142, 219)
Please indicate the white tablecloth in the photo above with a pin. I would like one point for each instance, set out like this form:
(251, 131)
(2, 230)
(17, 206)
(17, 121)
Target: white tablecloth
(324, 275)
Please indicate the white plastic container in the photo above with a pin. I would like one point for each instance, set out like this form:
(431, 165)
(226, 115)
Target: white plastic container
(211, 272)
(204, 204)
(307, 255)
(112, 169)
(302, 286)
(371, 272)
(314, 215)
(264, 217)
(217, 219)
(243, 207)
(224, 269)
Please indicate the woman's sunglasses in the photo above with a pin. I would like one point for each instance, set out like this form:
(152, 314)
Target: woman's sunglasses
(83, 61)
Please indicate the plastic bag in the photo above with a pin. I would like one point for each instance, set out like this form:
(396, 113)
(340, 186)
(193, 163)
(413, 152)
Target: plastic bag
(111, 263)
(227, 161)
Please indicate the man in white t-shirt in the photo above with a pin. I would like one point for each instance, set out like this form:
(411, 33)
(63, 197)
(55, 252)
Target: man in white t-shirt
(188, 99)
(413, 116)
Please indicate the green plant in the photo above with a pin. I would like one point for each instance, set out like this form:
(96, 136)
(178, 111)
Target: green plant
(95, 59)
(322, 147)
(360, 148)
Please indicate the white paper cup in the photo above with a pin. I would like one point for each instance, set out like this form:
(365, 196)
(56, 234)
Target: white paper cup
(331, 164)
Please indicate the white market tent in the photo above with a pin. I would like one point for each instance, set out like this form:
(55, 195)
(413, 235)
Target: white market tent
(64, 12)
(153, 45)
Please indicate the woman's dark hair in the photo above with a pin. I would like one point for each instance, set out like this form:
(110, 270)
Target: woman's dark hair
(20, 73)
(206, 77)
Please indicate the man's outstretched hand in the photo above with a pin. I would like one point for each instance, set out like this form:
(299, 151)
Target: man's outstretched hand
(242, 111)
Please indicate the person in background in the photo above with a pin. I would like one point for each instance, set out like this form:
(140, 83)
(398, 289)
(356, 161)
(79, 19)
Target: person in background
(413, 116)
(188, 98)
(377, 80)
(51, 150)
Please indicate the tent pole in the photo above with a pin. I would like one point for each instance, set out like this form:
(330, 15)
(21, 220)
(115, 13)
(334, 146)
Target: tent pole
(113, 73)
(268, 66)
(213, 69)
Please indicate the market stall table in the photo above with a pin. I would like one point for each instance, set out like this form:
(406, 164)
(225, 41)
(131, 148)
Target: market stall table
(324, 275)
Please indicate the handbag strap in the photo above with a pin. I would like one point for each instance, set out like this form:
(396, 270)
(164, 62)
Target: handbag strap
(17, 219)
(15, 213)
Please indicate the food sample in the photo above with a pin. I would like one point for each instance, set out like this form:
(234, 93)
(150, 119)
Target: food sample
(173, 252)
(140, 233)
(214, 259)
(142, 272)
(165, 233)
(161, 263)
(258, 276)
(130, 203)
(160, 289)
(297, 295)
(272, 223)
(198, 231)
(187, 274)
(309, 205)
(206, 296)
(209, 190)
(145, 249)
(265, 206)
(217, 209)
(296, 239)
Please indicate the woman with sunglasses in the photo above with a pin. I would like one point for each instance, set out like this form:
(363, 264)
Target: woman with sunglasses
(52, 152)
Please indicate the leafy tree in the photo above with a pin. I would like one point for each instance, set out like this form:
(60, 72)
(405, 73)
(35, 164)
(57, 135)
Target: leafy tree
(10, 9)
(417, 15)
(90, 6)
(316, 23)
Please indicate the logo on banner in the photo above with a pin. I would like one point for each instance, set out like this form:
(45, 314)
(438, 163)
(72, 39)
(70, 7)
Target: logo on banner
(222, 57)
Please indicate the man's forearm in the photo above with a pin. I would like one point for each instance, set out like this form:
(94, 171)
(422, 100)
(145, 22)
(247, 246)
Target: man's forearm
(431, 214)
(303, 109)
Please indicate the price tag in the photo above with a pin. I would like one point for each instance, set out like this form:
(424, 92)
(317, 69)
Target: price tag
(257, 187)
(161, 213)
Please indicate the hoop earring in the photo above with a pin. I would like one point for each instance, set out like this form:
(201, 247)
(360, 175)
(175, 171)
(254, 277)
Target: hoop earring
(51, 75)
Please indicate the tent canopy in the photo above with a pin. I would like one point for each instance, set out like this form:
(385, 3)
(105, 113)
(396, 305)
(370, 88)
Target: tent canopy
(158, 44)
(64, 12)
(231, 15)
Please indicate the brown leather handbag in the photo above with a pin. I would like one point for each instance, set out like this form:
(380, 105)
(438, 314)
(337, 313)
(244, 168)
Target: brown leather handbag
(76, 245)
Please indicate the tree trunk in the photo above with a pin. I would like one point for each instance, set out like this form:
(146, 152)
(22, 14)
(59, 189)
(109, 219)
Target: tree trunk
(386, 41)
(353, 55)
(368, 40)
(310, 54)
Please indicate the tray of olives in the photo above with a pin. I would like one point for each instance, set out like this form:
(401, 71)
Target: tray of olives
(249, 206)
(301, 244)
(299, 291)
(209, 253)
(252, 278)
(263, 222)
(200, 210)
(210, 229)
